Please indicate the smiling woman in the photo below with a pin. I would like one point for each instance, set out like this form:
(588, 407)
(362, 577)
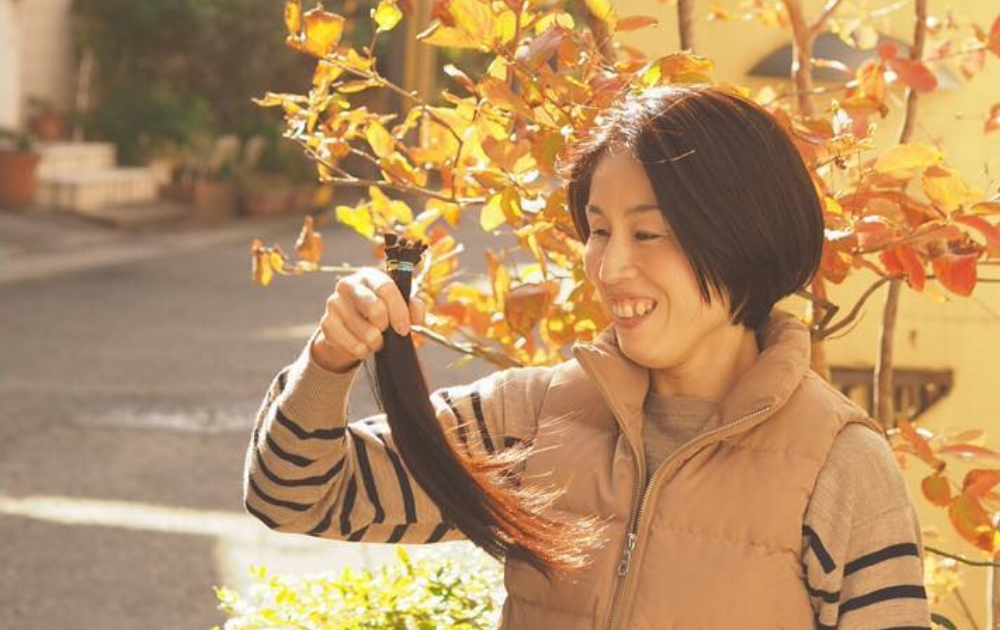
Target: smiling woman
(735, 487)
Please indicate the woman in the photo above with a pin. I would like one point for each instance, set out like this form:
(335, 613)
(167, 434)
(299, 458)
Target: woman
(740, 489)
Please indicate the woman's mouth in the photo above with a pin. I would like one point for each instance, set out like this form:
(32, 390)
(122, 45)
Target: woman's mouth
(631, 312)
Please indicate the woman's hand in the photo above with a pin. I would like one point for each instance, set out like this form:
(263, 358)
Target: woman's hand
(362, 306)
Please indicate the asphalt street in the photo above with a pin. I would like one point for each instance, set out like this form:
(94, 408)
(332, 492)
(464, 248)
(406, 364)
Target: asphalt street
(132, 365)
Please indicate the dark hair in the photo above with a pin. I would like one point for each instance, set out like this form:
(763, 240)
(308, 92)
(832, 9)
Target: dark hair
(729, 182)
(476, 494)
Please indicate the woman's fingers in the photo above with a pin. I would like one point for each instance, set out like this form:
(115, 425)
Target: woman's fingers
(418, 311)
(336, 334)
(360, 328)
(385, 288)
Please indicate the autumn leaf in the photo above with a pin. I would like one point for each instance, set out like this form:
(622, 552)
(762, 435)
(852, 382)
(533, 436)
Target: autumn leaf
(920, 445)
(991, 233)
(527, 304)
(635, 22)
(603, 11)
(993, 120)
(318, 32)
(357, 218)
(937, 490)
(978, 482)
(972, 521)
(956, 272)
(492, 215)
(993, 42)
(261, 272)
(903, 260)
(944, 186)
(914, 74)
(387, 15)
(379, 139)
(908, 157)
(969, 451)
(309, 245)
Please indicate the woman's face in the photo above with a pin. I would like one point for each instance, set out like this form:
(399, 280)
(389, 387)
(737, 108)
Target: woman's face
(635, 262)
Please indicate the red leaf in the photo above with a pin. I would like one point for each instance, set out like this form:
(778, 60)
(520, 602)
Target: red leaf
(978, 482)
(937, 490)
(913, 266)
(635, 22)
(993, 122)
(914, 74)
(994, 41)
(990, 232)
(969, 451)
(956, 272)
(888, 50)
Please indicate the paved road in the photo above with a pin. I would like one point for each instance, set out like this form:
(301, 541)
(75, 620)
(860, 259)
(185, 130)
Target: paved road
(131, 366)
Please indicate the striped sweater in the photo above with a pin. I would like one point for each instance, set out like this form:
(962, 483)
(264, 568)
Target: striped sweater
(311, 472)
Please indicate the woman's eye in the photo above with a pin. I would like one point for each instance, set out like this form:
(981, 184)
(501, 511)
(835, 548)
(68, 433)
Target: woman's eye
(646, 236)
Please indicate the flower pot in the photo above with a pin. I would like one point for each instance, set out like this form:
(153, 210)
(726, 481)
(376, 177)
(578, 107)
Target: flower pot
(17, 178)
(266, 202)
(215, 201)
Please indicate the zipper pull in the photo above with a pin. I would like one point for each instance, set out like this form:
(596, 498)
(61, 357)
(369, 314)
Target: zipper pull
(623, 567)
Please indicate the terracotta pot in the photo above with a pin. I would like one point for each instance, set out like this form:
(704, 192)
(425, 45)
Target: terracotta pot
(215, 201)
(48, 127)
(266, 202)
(17, 178)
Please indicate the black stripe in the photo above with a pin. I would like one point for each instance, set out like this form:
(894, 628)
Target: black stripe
(282, 379)
(295, 460)
(358, 535)
(318, 480)
(409, 504)
(345, 512)
(324, 524)
(260, 515)
(477, 406)
(319, 434)
(817, 546)
(892, 551)
(397, 533)
(884, 594)
(823, 626)
(509, 442)
(438, 533)
(459, 423)
(291, 505)
(369, 479)
(909, 628)
(826, 596)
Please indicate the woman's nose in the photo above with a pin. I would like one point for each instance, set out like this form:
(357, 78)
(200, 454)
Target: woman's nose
(616, 263)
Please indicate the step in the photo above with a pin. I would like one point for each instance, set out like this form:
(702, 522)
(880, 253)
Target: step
(88, 191)
(74, 157)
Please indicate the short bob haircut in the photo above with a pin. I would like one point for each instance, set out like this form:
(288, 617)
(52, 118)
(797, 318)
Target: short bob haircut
(729, 182)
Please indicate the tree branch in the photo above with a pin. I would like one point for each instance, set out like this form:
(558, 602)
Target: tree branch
(856, 310)
(820, 23)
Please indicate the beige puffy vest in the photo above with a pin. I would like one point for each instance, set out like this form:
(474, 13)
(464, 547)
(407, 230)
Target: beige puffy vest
(714, 542)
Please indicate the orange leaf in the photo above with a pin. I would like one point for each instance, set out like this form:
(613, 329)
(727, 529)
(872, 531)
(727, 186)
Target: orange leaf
(969, 451)
(972, 521)
(542, 47)
(293, 17)
(904, 260)
(527, 304)
(920, 445)
(309, 245)
(914, 74)
(635, 22)
(978, 482)
(957, 273)
(990, 232)
(993, 121)
(994, 40)
(936, 489)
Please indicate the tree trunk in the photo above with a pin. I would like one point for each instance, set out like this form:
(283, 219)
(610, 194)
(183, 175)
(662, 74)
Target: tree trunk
(803, 38)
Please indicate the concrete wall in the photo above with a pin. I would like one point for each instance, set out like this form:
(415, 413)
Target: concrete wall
(935, 329)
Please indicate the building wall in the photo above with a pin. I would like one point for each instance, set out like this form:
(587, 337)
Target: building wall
(934, 329)
(10, 64)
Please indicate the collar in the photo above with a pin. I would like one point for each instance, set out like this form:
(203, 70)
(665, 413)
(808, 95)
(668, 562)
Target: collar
(770, 382)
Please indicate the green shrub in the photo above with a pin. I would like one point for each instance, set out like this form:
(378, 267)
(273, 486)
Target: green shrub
(414, 594)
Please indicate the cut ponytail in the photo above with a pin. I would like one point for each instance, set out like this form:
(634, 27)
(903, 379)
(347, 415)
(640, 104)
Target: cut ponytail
(475, 493)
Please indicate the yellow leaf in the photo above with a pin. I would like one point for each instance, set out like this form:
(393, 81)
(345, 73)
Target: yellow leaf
(293, 17)
(309, 245)
(320, 32)
(492, 215)
(499, 279)
(602, 10)
(677, 67)
(944, 186)
(357, 218)
(906, 157)
(380, 139)
(499, 94)
(450, 37)
(450, 211)
(505, 28)
(387, 15)
(261, 269)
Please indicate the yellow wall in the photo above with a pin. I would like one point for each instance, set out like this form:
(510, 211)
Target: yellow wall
(962, 334)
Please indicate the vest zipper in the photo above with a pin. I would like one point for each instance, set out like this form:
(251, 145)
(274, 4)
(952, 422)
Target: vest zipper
(631, 551)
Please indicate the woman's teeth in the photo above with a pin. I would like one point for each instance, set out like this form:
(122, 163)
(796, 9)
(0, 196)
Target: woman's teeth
(632, 308)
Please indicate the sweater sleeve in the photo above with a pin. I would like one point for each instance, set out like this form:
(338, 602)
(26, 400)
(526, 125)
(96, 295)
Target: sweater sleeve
(862, 551)
(310, 471)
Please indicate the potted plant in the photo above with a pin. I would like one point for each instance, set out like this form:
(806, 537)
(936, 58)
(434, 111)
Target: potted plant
(276, 178)
(211, 172)
(45, 121)
(18, 165)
